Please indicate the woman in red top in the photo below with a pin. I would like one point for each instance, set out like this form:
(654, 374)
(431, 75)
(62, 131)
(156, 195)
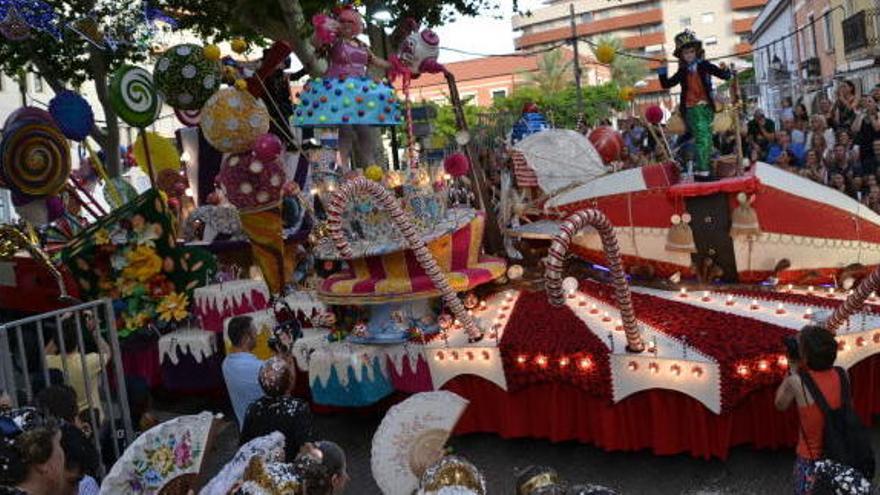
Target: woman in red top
(817, 352)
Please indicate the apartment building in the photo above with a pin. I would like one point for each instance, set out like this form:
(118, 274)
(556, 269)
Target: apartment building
(646, 27)
(482, 80)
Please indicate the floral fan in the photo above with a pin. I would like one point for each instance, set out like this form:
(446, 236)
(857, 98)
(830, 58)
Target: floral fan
(270, 447)
(166, 459)
(412, 437)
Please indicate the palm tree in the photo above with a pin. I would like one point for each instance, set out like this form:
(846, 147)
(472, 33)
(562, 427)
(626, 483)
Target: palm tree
(554, 73)
(625, 70)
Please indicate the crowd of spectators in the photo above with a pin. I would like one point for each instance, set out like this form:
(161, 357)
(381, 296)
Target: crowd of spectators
(833, 141)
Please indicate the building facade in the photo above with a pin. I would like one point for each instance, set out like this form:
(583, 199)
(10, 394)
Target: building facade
(482, 80)
(858, 41)
(644, 27)
(808, 46)
(775, 60)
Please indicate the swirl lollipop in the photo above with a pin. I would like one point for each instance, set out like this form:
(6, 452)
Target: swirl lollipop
(35, 159)
(133, 96)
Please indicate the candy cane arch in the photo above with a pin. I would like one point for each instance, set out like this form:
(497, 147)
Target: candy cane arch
(854, 302)
(556, 262)
(402, 221)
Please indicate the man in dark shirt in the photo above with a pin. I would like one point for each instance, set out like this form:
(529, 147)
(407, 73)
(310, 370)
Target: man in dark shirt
(278, 410)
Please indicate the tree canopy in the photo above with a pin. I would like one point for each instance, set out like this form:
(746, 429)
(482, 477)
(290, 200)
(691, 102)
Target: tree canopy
(71, 60)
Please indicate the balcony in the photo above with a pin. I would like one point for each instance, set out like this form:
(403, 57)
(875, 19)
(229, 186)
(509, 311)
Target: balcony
(741, 26)
(742, 49)
(746, 4)
(609, 25)
(641, 41)
(860, 34)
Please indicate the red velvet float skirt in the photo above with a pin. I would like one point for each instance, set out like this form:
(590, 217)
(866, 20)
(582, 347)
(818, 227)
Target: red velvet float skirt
(664, 421)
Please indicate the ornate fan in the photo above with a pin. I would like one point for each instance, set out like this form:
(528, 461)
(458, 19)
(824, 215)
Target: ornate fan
(165, 459)
(270, 447)
(412, 437)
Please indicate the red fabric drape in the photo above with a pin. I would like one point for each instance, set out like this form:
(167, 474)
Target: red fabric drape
(664, 421)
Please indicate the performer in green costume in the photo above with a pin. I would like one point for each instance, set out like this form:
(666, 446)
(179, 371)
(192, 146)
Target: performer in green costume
(697, 102)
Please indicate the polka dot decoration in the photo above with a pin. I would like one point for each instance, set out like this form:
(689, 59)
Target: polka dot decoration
(34, 158)
(185, 77)
(331, 102)
(133, 96)
(232, 120)
(251, 184)
(189, 118)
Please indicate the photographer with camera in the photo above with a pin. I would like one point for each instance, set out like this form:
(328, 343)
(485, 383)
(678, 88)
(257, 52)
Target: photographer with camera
(832, 443)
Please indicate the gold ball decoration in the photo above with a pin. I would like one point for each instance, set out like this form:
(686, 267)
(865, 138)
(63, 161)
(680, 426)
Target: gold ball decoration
(605, 53)
(232, 120)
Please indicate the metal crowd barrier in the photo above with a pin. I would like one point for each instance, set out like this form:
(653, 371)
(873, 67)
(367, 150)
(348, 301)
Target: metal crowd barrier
(23, 340)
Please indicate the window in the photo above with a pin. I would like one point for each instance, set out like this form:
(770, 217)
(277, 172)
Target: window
(586, 17)
(38, 83)
(708, 18)
(498, 94)
(744, 38)
(710, 40)
(468, 98)
(684, 21)
(829, 32)
(810, 38)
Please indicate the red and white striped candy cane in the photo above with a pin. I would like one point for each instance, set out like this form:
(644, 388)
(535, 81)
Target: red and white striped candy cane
(556, 262)
(854, 302)
(403, 221)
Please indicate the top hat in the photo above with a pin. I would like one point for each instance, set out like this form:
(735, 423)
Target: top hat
(685, 39)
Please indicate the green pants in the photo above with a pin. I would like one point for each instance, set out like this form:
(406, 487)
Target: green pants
(699, 122)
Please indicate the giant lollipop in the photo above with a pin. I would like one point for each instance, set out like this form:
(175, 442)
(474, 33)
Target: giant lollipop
(133, 96)
(185, 77)
(72, 115)
(35, 158)
(233, 119)
(254, 187)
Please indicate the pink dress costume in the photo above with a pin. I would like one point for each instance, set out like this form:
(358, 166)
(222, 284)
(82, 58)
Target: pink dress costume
(346, 95)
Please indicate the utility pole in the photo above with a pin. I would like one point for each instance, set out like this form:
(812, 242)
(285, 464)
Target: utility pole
(577, 60)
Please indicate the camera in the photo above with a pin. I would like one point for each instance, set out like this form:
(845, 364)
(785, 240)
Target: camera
(792, 349)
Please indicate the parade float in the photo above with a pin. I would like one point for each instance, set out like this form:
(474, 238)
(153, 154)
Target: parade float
(672, 343)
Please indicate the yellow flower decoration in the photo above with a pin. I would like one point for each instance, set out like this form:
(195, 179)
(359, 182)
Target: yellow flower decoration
(173, 307)
(126, 287)
(143, 263)
(136, 321)
(162, 460)
(102, 237)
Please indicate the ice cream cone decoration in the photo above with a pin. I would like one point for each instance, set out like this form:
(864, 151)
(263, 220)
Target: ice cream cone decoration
(254, 187)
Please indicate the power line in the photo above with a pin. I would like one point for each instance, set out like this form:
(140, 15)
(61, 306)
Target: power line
(586, 38)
